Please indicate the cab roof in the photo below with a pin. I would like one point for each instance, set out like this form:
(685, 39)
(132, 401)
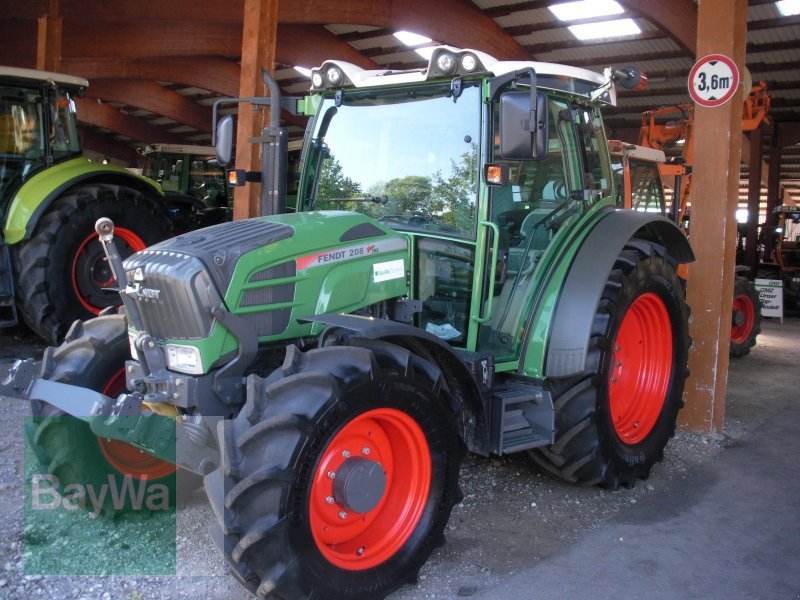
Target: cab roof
(38, 77)
(549, 75)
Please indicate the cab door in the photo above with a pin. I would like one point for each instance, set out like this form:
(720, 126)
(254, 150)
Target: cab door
(527, 213)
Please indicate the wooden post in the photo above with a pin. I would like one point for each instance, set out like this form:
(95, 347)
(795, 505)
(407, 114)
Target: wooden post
(258, 51)
(48, 39)
(754, 199)
(722, 27)
(773, 190)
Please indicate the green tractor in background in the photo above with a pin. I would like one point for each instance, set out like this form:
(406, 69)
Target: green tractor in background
(52, 267)
(457, 276)
(195, 186)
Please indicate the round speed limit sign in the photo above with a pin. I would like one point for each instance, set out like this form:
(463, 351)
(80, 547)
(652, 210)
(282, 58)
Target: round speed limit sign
(713, 80)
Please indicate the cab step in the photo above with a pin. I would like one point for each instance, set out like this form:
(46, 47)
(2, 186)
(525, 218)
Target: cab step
(522, 418)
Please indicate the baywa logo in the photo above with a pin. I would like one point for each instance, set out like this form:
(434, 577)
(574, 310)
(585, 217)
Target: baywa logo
(130, 493)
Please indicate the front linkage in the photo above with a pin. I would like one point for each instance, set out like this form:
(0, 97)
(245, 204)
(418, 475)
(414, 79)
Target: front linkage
(144, 418)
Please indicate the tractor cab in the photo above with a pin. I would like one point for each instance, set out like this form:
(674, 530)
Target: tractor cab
(476, 164)
(37, 124)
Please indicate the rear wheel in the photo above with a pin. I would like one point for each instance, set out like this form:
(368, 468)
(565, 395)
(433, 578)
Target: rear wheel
(614, 420)
(62, 271)
(66, 446)
(745, 317)
(339, 474)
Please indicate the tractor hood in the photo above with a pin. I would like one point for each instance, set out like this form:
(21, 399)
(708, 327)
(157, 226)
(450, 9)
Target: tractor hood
(270, 271)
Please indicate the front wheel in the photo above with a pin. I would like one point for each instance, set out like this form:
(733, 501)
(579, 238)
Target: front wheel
(62, 272)
(614, 420)
(75, 457)
(339, 474)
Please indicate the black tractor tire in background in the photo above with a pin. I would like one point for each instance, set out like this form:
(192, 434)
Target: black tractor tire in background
(614, 420)
(66, 446)
(61, 269)
(745, 317)
(371, 418)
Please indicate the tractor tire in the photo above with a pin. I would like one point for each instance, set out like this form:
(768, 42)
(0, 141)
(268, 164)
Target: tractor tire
(613, 421)
(67, 447)
(746, 317)
(61, 270)
(339, 474)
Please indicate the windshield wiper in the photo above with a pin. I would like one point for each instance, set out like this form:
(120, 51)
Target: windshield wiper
(375, 199)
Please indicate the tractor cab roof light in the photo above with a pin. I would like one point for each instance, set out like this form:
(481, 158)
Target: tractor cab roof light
(332, 74)
(451, 61)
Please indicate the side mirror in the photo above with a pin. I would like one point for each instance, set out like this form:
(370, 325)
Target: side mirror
(631, 78)
(223, 145)
(523, 127)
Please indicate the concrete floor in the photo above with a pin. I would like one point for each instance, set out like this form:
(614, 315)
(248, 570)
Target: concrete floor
(719, 518)
(730, 530)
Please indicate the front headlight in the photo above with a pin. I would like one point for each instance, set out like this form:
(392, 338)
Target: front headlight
(185, 359)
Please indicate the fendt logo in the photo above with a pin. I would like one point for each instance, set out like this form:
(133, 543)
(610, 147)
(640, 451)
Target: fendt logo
(142, 292)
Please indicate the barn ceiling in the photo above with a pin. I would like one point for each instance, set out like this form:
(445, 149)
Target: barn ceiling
(156, 66)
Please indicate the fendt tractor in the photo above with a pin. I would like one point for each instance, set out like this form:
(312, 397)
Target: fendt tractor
(457, 277)
(52, 266)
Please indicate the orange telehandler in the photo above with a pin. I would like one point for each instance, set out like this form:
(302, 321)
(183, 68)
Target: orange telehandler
(642, 170)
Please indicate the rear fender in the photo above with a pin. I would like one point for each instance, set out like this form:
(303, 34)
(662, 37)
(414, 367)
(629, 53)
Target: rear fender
(571, 324)
(37, 194)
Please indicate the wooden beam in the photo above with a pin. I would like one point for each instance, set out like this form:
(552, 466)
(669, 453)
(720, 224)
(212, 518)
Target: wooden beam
(216, 11)
(311, 45)
(20, 40)
(773, 189)
(48, 39)
(718, 132)
(455, 22)
(154, 97)
(131, 39)
(105, 116)
(258, 52)
(211, 73)
(754, 199)
(789, 134)
(107, 146)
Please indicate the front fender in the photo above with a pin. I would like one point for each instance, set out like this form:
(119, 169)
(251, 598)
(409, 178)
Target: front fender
(572, 322)
(40, 191)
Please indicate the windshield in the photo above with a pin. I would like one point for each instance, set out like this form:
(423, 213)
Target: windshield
(23, 144)
(407, 158)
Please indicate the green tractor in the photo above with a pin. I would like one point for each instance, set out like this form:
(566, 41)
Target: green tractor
(195, 186)
(52, 267)
(457, 277)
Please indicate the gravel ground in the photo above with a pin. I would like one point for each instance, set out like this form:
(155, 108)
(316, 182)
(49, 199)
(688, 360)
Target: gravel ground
(512, 516)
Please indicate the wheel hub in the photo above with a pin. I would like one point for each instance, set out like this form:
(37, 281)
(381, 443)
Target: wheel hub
(370, 488)
(738, 318)
(359, 484)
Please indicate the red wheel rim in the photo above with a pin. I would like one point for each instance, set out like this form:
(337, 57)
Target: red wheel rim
(641, 369)
(356, 541)
(90, 270)
(744, 313)
(125, 458)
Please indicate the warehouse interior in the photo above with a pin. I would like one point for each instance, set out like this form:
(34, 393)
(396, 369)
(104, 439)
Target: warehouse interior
(155, 69)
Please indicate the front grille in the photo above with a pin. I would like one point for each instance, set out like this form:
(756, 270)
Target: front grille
(270, 322)
(175, 294)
